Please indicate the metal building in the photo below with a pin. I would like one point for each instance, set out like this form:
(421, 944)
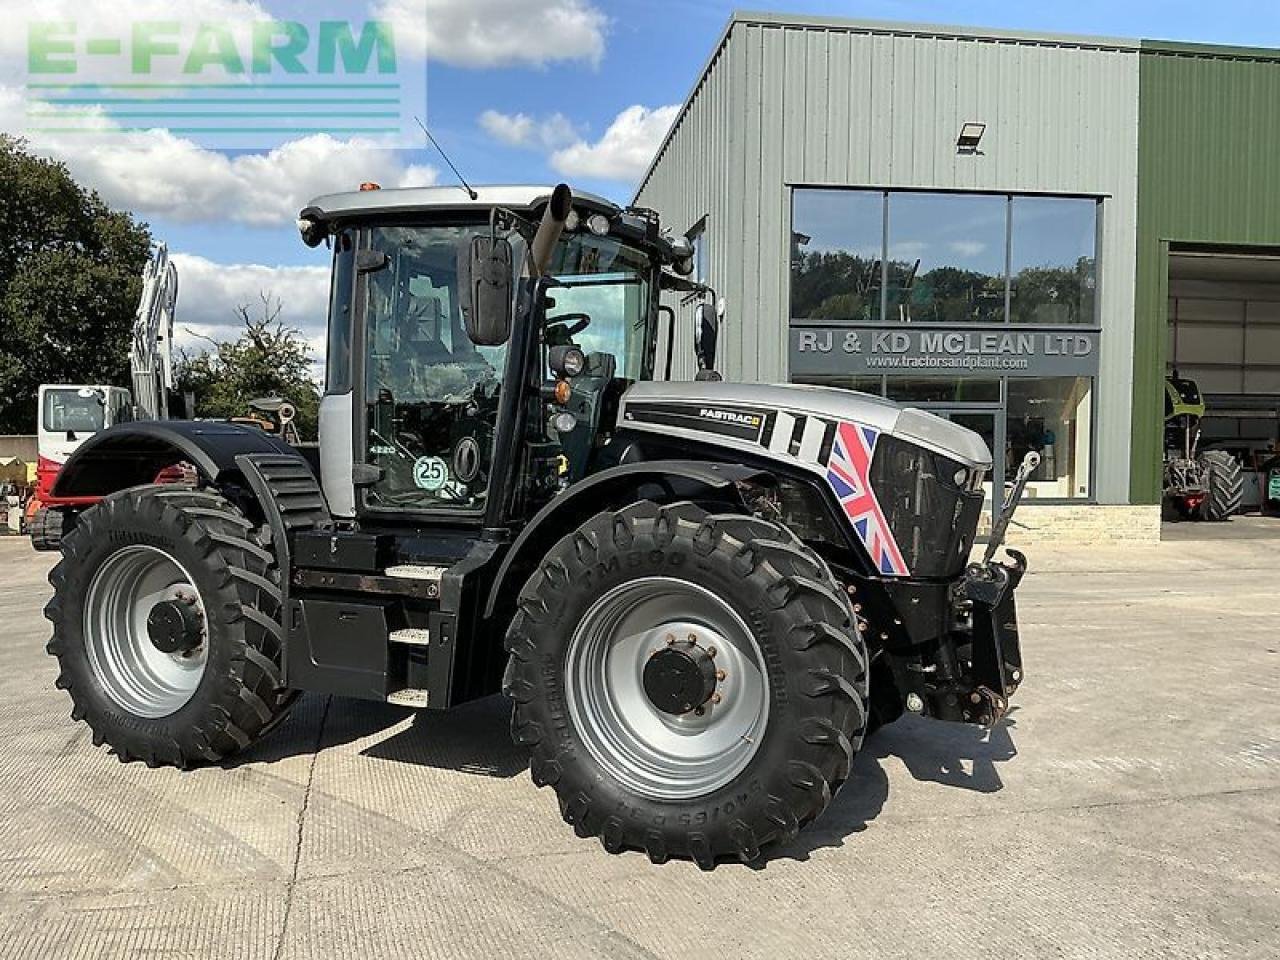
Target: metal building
(955, 218)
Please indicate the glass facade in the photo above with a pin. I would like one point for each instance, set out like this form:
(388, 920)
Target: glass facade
(869, 256)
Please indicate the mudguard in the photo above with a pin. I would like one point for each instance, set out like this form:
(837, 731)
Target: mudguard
(131, 454)
(676, 479)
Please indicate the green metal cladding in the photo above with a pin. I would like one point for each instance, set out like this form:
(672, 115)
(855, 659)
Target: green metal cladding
(1208, 173)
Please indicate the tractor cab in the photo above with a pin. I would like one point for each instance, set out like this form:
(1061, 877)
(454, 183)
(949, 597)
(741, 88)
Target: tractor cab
(414, 390)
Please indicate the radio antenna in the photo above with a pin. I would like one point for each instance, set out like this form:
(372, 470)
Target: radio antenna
(465, 186)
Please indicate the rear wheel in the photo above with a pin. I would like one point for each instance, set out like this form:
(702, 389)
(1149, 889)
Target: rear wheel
(1224, 482)
(691, 684)
(166, 626)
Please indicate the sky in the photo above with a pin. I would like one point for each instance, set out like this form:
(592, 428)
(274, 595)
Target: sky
(516, 91)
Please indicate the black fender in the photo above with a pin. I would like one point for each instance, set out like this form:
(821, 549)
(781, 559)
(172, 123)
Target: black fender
(662, 480)
(131, 454)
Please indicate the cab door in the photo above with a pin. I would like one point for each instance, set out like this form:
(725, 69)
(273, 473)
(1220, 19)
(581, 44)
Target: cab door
(337, 419)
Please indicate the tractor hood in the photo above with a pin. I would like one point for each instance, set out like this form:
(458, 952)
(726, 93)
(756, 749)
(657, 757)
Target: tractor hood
(792, 421)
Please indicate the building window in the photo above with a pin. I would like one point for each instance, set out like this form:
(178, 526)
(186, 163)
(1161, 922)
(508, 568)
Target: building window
(1054, 417)
(837, 249)
(1053, 269)
(867, 256)
(947, 257)
(871, 385)
(942, 390)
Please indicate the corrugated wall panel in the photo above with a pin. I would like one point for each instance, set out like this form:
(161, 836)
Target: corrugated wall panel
(786, 104)
(1209, 160)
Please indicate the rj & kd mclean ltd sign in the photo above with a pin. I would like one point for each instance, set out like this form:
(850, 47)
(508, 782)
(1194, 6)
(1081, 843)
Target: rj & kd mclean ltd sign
(912, 349)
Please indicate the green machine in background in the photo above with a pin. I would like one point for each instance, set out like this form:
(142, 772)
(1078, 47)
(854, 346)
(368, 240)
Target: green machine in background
(1198, 485)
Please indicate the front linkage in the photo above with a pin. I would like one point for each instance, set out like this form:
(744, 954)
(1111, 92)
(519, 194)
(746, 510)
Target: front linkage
(952, 647)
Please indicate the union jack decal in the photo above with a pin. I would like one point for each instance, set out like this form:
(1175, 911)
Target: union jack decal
(848, 472)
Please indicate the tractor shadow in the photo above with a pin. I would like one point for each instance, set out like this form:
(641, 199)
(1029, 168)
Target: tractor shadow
(474, 738)
(952, 754)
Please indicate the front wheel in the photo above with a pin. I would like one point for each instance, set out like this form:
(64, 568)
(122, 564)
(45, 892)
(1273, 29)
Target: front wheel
(166, 626)
(691, 684)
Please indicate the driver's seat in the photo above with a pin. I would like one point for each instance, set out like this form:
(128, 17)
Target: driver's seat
(586, 403)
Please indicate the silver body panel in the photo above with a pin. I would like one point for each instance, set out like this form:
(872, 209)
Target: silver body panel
(793, 402)
(337, 453)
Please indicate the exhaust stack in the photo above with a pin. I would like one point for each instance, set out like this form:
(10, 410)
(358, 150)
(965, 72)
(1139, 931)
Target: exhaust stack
(548, 235)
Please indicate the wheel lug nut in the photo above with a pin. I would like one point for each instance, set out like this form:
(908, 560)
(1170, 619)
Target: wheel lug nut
(711, 651)
(720, 674)
(671, 638)
(693, 638)
(699, 711)
(716, 698)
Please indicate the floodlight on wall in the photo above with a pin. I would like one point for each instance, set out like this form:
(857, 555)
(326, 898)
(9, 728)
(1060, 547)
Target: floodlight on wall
(970, 136)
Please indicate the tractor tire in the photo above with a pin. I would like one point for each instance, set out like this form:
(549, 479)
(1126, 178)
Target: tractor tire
(166, 626)
(1225, 482)
(651, 737)
(46, 529)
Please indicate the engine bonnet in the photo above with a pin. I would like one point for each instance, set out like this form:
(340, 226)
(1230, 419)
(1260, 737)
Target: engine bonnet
(787, 419)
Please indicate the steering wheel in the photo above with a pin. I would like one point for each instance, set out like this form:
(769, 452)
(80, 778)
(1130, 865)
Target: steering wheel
(562, 329)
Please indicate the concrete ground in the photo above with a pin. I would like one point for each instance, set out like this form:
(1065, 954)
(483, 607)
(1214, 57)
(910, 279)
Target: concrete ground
(1245, 526)
(1130, 807)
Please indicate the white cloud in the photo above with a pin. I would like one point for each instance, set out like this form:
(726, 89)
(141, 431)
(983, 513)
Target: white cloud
(522, 130)
(209, 292)
(498, 33)
(156, 173)
(625, 150)
(967, 248)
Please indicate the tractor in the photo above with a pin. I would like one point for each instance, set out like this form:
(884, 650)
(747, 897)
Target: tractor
(1198, 484)
(699, 596)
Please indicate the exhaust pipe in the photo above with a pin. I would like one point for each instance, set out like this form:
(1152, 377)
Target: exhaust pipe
(548, 235)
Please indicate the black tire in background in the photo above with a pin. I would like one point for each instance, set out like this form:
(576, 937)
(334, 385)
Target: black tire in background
(240, 693)
(815, 661)
(1225, 481)
(1270, 505)
(46, 529)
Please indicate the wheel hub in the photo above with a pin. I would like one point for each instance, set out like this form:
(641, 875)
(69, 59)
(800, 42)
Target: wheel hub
(174, 626)
(666, 685)
(679, 678)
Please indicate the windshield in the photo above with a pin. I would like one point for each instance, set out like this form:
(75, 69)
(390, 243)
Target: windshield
(432, 395)
(66, 410)
(608, 283)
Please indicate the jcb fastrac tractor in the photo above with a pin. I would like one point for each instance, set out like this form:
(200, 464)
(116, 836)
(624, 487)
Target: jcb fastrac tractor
(1198, 484)
(698, 595)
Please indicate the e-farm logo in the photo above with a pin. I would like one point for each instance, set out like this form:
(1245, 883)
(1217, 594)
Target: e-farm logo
(235, 84)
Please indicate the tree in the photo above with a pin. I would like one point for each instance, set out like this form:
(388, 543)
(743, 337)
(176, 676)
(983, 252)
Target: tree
(268, 359)
(70, 278)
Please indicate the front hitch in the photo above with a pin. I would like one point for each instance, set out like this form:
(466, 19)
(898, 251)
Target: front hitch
(986, 596)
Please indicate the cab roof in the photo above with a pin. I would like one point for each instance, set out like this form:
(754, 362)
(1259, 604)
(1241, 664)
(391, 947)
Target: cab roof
(356, 203)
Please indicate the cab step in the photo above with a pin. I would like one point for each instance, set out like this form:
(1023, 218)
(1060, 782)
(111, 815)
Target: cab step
(409, 697)
(412, 637)
(413, 571)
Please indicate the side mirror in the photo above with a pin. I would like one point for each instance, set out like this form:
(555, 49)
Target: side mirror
(706, 332)
(485, 277)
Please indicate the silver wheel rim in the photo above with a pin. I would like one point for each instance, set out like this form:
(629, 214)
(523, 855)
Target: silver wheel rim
(145, 681)
(657, 754)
